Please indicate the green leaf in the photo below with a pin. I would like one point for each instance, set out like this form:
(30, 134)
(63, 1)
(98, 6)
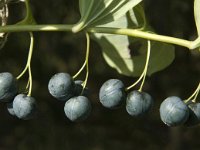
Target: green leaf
(162, 55)
(128, 55)
(96, 12)
(197, 14)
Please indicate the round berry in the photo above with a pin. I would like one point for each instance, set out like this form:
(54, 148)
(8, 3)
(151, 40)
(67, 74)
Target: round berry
(112, 93)
(61, 86)
(10, 108)
(24, 107)
(194, 116)
(138, 103)
(77, 108)
(8, 87)
(173, 111)
(78, 89)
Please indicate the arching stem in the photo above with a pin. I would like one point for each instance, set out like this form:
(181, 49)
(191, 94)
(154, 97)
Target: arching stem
(143, 75)
(146, 65)
(194, 95)
(28, 65)
(87, 63)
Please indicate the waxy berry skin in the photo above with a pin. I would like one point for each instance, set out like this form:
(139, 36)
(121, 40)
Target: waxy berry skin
(61, 86)
(24, 107)
(10, 108)
(194, 114)
(112, 93)
(8, 87)
(173, 111)
(77, 108)
(138, 103)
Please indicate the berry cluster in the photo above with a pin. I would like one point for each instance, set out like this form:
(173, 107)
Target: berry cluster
(175, 112)
(19, 105)
(62, 87)
(113, 93)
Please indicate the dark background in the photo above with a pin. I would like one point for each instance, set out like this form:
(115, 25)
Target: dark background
(104, 129)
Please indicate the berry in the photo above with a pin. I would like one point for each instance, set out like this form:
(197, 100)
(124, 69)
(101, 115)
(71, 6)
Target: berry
(138, 103)
(10, 108)
(173, 111)
(61, 86)
(77, 108)
(24, 106)
(194, 116)
(78, 89)
(112, 93)
(8, 87)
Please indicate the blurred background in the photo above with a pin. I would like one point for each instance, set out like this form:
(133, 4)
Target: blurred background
(105, 129)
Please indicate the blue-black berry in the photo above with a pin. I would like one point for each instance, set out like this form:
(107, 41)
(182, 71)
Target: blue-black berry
(77, 108)
(138, 103)
(173, 111)
(194, 114)
(24, 107)
(61, 86)
(8, 87)
(112, 93)
(10, 108)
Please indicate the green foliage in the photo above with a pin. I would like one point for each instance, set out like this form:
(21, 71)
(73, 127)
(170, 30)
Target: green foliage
(96, 12)
(117, 48)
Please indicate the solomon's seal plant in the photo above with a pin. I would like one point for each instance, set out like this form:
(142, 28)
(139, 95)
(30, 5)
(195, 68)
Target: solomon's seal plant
(114, 25)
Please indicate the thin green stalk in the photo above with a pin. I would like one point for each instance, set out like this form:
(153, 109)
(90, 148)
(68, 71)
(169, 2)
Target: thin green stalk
(30, 81)
(29, 57)
(28, 66)
(87, 63)
(143, 75)
(28, 84)
(193, 94)
(146, 64)
(196, 95)
(80, 70)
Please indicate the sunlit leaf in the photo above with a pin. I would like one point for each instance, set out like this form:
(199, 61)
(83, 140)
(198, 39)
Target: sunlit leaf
(96, 12)
(127, 54)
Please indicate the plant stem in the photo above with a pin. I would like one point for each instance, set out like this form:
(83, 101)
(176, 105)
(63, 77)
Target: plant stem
(30, 81)
(146, 64)
(80, 70)
(195, 94)
(120, 31)
(144, 35)
(36, 28)
(29, 57)
(87, 58)
(28, 66)
(82, 24)
(143, 75)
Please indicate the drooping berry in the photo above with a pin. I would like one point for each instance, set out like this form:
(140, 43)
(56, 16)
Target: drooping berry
(8, 87)
(112, 93)
(173, 111)
(77, 108)
(138, 103)
(10, 108)
(24, 107)
(61, 86)
(194, 114)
